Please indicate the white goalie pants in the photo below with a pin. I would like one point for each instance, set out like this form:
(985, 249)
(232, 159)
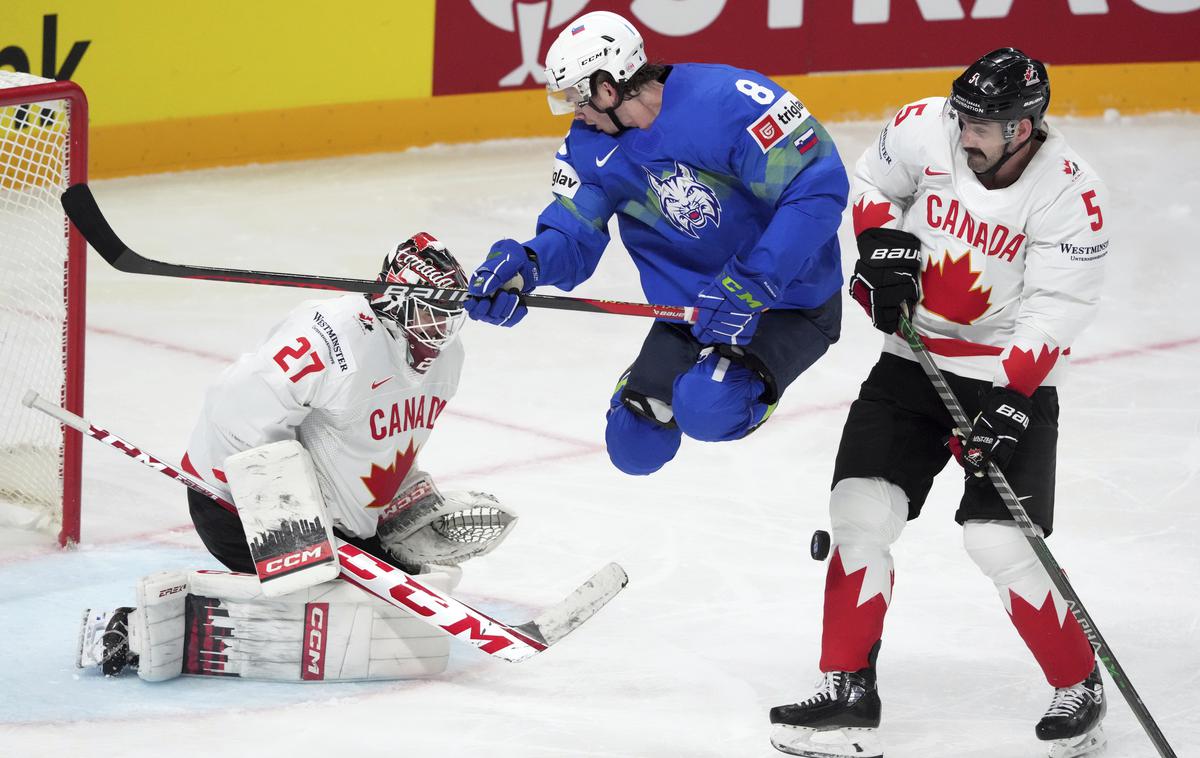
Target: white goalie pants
(215, 623)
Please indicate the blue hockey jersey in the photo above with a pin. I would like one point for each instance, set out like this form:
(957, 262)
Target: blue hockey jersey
(733, 166)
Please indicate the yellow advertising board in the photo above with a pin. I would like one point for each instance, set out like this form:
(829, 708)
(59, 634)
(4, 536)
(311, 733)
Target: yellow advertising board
(150, 60)
(177, 85)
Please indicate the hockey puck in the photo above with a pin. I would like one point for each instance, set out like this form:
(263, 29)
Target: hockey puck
(819, 547)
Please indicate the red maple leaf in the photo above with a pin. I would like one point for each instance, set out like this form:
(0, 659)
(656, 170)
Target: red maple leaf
(951, 290)
(1061, 649)
(850, 629)
(383, 482)
(870, 215)
(1025, 372)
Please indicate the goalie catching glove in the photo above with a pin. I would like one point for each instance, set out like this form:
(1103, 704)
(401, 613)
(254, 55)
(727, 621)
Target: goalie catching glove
(424, 526)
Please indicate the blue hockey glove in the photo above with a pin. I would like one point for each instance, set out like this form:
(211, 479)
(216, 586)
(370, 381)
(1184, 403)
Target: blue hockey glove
(727, 310)
(510, 268)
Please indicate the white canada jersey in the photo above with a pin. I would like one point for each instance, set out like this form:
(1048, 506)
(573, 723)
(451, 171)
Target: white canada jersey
(331, 376)
(1009, 277)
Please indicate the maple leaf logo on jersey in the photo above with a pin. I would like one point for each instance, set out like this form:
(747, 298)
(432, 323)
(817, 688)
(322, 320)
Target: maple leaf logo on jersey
(871, 215)
(685, 201)
(1026, 372)
(951, 290)
(384, 482)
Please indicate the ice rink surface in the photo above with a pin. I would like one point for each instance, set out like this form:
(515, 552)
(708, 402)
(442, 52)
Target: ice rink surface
(721, 619)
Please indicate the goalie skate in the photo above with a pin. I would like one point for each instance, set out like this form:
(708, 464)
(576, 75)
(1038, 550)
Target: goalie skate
(104, 641)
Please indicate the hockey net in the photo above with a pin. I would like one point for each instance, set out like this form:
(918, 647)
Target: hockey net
(43, 150)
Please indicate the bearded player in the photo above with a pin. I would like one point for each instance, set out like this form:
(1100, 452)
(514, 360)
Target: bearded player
(974, 212)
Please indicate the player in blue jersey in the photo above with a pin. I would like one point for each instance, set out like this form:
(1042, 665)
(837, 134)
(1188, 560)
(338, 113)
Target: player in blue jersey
(728, 195)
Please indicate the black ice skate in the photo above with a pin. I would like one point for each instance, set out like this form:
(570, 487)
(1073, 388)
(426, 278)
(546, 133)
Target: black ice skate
(841, 719)
(1072, 722)
(104, 641)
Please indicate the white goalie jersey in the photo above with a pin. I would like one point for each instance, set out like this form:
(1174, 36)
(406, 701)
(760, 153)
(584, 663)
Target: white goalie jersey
(331, 376)
(1009, 277)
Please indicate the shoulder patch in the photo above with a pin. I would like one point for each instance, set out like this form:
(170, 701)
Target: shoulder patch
(780, 120)
(1072, 169)
(564, 181)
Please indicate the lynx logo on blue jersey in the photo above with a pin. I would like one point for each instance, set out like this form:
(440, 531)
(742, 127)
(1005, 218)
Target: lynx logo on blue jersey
(685, 201)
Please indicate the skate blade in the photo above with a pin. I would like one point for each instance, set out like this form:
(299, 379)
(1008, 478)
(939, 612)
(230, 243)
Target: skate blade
(1091, 743)
(85, 643)
(827, 743)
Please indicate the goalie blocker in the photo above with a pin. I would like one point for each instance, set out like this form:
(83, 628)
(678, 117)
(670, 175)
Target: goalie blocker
(282, 532)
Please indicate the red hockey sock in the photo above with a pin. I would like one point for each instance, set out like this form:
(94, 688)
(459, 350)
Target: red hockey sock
(858, 589)
(1054, 637)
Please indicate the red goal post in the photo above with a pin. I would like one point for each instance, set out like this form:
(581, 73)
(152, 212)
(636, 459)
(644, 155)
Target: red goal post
(43, 150)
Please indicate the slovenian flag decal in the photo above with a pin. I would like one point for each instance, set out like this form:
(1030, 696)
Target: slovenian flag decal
(806, 141)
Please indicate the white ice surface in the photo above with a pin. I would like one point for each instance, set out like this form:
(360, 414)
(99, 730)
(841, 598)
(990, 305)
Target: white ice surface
(721, 619)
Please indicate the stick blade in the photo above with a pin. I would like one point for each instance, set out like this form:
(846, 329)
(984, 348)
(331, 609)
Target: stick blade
(567, 615)
(84, 212)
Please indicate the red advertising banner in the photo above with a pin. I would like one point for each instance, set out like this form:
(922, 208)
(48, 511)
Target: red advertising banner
(490, 45)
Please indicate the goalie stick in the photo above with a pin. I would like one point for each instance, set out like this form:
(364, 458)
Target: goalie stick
(395, 587)
(1057, 575)
(85, 214)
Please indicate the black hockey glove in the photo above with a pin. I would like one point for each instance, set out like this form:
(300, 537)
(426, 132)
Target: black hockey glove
(1003, 415)
(886, 275)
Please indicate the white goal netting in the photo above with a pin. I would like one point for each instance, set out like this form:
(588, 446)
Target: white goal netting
(36, 287)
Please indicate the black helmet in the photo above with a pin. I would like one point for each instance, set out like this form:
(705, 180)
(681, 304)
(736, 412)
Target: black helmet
(1005, 85)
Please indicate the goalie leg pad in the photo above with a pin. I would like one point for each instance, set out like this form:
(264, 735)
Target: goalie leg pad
(213, 623)
(423, 526)
(156, 626)
(283, 513)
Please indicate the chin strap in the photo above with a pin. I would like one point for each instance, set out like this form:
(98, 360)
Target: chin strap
(612, 113)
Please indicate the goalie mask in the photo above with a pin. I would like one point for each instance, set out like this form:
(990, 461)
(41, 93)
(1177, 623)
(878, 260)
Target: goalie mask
(428, 322)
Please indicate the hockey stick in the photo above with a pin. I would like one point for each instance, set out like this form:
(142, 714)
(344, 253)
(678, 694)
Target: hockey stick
(82, 209)
(395, 587)
(1057, 575)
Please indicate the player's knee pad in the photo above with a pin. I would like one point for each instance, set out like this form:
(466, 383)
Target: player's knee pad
(719, 399)
(637, 445)
(867, 513)
(1001, 551)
